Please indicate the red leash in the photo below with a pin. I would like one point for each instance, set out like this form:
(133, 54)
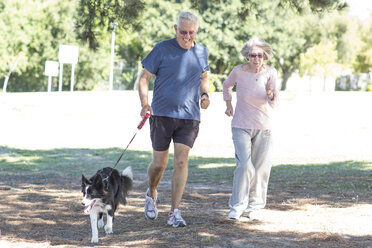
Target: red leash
(140, 125)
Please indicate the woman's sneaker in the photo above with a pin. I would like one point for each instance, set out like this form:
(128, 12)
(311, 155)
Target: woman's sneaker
(151, 212)
(235, 216)
(255, 215)
(175, 219)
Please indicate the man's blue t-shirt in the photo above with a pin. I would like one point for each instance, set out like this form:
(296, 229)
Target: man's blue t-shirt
(178, 75)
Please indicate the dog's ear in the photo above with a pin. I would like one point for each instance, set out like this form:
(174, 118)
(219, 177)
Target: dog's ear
(84, 181)
(98, 180)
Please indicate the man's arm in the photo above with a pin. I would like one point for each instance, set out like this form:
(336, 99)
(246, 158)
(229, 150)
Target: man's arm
(143, 90)
(204, 87)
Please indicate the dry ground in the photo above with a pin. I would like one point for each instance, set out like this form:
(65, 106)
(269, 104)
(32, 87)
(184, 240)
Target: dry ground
(310, 129)
(39, 215)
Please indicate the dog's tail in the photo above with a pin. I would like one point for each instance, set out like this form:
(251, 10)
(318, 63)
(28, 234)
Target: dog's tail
(127, 172)
(126, 183)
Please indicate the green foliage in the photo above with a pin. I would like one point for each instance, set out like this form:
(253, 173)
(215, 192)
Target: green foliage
(93, 15)
(363, 61)
(343, 34)
(31, 32)
(319, 59)
(315, 6)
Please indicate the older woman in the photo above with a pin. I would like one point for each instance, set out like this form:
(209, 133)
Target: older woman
(256, 93)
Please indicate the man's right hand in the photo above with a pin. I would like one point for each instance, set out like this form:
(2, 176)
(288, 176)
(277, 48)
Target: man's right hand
(145, 109)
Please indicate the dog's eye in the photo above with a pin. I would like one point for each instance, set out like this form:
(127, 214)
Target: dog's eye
(90, 191)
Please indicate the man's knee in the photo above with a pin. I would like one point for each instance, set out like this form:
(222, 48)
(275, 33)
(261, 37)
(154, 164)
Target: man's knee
(180, 163)
(157, 167)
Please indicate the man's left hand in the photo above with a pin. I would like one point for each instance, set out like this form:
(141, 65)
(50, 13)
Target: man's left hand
(204, 101)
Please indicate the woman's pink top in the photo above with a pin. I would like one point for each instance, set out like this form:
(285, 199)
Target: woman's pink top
(252, 105)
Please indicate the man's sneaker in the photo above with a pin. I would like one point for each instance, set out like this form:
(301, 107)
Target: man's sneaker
(151, 212)
(170, 218)
(175, 219)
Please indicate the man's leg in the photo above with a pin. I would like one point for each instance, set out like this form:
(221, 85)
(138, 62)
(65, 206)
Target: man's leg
(155, 173)
(181, 154)
(156, 169)
(180, 170)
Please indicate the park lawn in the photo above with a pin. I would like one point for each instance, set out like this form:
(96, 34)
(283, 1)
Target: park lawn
(335, 177)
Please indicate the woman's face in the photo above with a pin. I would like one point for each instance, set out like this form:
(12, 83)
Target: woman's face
(256, 57)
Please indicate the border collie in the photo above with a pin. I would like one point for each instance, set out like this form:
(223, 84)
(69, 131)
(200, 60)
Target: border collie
(102, 194)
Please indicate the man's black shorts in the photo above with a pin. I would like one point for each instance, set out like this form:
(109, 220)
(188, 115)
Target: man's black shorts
(164, 129)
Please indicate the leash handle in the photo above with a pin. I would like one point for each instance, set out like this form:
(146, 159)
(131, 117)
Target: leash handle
(140, 125)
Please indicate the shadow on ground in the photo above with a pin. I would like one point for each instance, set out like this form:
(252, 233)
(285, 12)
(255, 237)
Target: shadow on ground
(40, 201)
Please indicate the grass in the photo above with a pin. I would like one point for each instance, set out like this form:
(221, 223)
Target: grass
(347, 177)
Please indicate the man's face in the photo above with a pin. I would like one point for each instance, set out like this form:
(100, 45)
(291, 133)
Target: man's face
(185, 34)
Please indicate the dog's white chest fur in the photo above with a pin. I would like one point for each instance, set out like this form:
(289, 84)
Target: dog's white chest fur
(102, 194)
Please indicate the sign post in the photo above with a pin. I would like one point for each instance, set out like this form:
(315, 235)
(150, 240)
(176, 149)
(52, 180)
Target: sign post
(111, 78)
(51, 70)
(67, 55)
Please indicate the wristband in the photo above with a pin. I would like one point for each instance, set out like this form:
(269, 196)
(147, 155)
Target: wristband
(204, 94)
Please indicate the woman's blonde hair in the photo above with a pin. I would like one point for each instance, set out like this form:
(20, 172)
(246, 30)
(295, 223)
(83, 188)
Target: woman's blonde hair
(258, 42)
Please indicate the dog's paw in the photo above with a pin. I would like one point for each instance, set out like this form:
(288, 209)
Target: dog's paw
(94, 240)
(100, 223)
(108, 229)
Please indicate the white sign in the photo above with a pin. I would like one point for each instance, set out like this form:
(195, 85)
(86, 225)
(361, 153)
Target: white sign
(51, 68)
(68, 54)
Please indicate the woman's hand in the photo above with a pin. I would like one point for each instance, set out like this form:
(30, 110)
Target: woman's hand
(229, 111)
(229, 108)
(269, 92)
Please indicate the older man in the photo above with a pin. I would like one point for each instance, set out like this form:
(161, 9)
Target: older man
(180, 66)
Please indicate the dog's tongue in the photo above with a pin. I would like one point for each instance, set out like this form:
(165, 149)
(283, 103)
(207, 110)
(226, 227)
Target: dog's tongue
(89, 207)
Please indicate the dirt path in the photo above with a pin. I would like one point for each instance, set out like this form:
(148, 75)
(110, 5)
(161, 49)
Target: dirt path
(35, 215)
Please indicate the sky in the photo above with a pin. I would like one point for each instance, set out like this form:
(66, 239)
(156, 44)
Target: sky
(360, 8)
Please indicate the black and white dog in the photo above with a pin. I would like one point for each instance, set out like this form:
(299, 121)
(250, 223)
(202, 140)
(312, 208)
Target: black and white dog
(102, 194)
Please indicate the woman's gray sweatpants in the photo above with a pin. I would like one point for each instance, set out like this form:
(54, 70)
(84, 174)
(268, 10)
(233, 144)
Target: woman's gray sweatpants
(253, 152)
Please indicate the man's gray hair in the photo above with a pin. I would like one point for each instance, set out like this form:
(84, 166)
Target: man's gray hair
(258, 42)
(188, 16)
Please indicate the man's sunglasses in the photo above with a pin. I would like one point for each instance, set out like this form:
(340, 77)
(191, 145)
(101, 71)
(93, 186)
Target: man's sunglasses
(183, 32)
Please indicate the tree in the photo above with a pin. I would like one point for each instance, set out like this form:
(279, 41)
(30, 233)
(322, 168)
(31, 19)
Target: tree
(14, 40)
(363, 61)
(95, 14)
(290, 38)
(226, 25)
(31, 32)
(320, 60)
(291, 29)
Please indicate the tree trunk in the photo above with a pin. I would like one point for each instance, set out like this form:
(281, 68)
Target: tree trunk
(286, 76)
